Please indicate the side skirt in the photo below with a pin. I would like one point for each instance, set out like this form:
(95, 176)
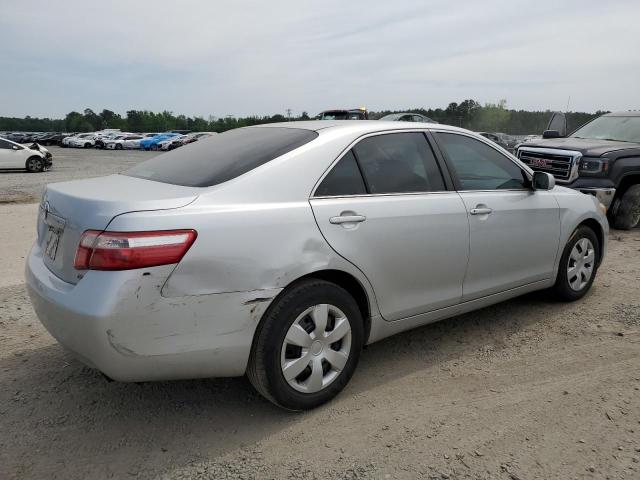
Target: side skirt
(381, 328)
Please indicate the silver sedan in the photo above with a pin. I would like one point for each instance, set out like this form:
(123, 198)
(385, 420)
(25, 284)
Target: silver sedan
(278, 251)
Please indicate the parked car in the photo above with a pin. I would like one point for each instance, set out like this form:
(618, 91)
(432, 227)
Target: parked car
(108, 142)
(601, 158)
(186, 139)
(123, 142)
(166, 144)
(351, 114)
(407, 117)
(280, 250)
(507, 142)
(83, 140)
(14, 136)
(51, 138)
(32, 158)
(152, 143)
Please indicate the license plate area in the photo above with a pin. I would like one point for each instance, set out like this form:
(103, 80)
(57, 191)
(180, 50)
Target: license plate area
(53, 227)
(51, 242)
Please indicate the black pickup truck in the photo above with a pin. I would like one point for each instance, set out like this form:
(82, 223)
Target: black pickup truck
(601, 158)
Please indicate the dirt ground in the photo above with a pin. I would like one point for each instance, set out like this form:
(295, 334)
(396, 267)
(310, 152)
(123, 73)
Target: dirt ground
(528, 389)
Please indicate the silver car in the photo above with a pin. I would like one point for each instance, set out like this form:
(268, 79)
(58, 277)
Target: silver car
(278, 251)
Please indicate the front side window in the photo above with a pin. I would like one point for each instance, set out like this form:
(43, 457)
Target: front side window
(398, 163)
(477, 166)
(5, 145)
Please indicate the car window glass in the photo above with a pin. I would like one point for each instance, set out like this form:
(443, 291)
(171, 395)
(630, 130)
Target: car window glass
(398, 163)
(5, 145)
(478, 166)
(343, 179)
(222, 157)
(418, 118)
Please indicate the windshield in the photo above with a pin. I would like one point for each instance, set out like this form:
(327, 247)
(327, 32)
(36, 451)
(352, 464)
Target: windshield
(391, 117)
(624, 129)
(335, 115)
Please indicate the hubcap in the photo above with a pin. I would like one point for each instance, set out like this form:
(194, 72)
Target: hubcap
(580, 264)
(316, 348)
(34, 164)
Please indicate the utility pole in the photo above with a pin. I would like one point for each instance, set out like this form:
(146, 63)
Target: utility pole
(289, 114)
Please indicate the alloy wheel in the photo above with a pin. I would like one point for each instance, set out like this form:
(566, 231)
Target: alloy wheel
(34, 165)
(316, 348)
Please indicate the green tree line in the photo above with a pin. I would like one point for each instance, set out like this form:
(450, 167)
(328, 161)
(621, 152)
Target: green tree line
(467, 114)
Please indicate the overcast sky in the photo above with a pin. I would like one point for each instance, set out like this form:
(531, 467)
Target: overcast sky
(261, 57)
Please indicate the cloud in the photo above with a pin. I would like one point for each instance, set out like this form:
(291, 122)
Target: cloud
(252, 57)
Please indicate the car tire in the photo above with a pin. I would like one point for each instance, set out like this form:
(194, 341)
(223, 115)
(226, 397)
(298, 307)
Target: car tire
(87, 145)
(328, 366)
(578, 265)
(118, 146)
(34, 164)
(627, 212)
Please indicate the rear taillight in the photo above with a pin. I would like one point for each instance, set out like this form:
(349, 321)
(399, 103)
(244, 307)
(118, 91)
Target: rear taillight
(128, 250)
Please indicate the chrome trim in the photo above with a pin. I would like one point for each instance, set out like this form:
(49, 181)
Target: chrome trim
(574, 164)
(604, 195)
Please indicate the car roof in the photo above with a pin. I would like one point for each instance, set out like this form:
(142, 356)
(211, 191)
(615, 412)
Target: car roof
(357, 126)
(626, 113)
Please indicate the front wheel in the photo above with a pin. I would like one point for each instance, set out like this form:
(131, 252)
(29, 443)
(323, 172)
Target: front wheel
(627, 211)
(308, 345)
(35, 165)
(578, 265)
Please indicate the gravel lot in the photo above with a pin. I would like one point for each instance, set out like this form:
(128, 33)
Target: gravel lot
(526, 389)
(68, 164)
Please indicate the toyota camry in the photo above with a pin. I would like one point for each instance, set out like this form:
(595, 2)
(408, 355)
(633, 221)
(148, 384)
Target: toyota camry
(279, 251)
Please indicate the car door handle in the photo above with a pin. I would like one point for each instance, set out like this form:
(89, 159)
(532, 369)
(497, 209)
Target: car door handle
(481, 210)
(347, 219)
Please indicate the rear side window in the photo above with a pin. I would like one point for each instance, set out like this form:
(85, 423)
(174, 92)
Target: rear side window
(398, 163)
(343, 179)
(220, 158)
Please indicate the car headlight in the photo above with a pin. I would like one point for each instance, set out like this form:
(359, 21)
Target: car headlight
(594, 165)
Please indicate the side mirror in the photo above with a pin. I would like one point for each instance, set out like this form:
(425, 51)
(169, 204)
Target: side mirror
(543, 181)
(15, 147)
(557, 123)
(551, 134)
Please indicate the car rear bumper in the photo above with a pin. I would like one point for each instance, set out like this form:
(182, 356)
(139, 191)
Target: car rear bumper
(120, 324)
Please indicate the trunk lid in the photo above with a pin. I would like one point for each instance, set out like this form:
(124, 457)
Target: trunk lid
(70, 208)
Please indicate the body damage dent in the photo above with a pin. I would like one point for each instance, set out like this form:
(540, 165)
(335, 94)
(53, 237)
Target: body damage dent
(147, 324)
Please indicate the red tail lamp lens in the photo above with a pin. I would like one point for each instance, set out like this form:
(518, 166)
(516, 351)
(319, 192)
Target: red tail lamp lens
(128, 250)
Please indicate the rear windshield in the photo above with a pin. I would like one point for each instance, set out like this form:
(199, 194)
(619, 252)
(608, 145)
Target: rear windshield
(219, 158)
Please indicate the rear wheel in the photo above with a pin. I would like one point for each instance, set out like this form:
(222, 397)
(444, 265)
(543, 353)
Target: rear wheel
(118, 146)
(307, 346)
(627, 212)
(34, 165)
(578, 265)
(87, 145)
